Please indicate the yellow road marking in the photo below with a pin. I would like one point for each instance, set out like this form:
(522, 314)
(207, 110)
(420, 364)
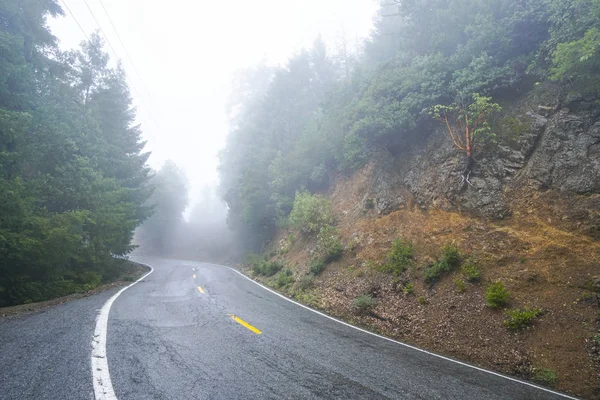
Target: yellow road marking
(200, 289)
(194, 276)
(244, 324)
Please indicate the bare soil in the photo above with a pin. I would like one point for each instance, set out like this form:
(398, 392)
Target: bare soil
(538, 253)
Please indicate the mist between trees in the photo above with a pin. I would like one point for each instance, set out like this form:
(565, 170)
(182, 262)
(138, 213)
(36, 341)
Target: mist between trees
(74, 184)
(200, 233)
(324, 113)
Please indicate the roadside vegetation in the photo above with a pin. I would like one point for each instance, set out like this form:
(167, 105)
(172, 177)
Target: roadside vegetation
(73, 174)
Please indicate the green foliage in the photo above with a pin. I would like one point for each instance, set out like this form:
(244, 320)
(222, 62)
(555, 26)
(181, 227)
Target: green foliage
(285, 278)
(574, 47)
(520, 319)
(73, 179)
(471, 271)
(317, 266)
(496, 295)
(306, 282)
(267, 268)
(422, 300)
(363, 303)
(449, 260)
(399, 258)
(296, 125)
(468, 126)
(329, 246)
(544, 376)
(460, 285)
(311, 213)
(408, 288)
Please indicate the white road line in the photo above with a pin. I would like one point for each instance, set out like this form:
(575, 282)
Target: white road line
(103, 388)
(400, 343)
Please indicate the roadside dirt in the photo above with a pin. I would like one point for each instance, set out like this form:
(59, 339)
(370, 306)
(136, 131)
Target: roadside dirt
(130, 275)
(541, 261)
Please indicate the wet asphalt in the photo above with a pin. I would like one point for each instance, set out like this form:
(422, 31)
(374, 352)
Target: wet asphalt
(174, 336)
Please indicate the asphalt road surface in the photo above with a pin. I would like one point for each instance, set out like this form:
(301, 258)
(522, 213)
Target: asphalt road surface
(200, 331)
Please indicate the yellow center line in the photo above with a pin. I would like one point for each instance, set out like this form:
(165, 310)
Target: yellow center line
(200, 289)
(244, 324)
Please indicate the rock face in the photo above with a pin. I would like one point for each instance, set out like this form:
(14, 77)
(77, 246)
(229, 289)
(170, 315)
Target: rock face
(558, 153)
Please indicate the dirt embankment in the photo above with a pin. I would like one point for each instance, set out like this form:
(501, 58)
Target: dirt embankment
(530, 220)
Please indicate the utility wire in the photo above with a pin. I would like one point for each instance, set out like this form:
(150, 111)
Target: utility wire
(117, 56)
(126, 52)
(114, 52)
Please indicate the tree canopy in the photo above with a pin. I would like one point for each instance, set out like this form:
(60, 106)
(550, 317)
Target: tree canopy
(298, 124)
(73, 175)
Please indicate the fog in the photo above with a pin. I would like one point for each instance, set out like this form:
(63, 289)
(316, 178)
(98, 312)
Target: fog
(186, 54)
(181, 58)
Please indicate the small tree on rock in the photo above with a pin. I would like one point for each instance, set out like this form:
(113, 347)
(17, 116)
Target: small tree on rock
(467, 125)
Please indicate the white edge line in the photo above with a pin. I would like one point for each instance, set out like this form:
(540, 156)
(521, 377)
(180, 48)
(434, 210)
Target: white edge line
(103, 388)
(400, 343)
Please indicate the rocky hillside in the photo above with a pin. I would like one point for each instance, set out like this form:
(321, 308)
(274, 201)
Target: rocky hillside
(530, 220)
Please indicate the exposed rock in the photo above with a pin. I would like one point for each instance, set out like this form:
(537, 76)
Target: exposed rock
(559, 152)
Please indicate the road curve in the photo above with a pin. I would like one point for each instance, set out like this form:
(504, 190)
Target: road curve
(201, 331)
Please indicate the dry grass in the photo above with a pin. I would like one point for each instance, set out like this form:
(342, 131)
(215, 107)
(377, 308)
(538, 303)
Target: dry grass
(542, 262)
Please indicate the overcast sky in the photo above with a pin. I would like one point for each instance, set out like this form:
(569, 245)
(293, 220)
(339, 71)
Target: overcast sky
(187, 51)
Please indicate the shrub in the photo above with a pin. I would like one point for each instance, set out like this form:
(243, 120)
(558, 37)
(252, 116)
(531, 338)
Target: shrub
(408, 289)
(422, 300)
(460, 285)
(364, 303)
(545, 376)
(520, 319)
(285, 277)
(450, 259)
(317, 266)
(450, 256)
(310, 212)
(496, 295)
(399, 258)
(267, 268)
(471, 271)
(306, 282)
(329, 245)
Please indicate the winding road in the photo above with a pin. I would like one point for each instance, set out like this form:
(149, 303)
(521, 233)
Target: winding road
(192, 330)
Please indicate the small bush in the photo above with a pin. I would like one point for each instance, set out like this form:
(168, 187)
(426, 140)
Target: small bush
(451, 256)
(329, 245)
(310, 212)
(545, 376)
(317, 266)
(306, 282)
(285, 277)
(460, 285)
(408, 289)
(450, 259)
(471, 271)
(422, 300)
(496, 295)
(399, 258)
(520, 319)
(267, 268)
(364, 303)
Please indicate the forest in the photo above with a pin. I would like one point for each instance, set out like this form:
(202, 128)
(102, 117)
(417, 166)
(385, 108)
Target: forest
(74, 179)
(74, 182)
(328, 111)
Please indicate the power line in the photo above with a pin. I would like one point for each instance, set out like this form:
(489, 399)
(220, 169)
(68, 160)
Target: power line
(114, 52)
(126, 52)
(117, 56)
(75, 19)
